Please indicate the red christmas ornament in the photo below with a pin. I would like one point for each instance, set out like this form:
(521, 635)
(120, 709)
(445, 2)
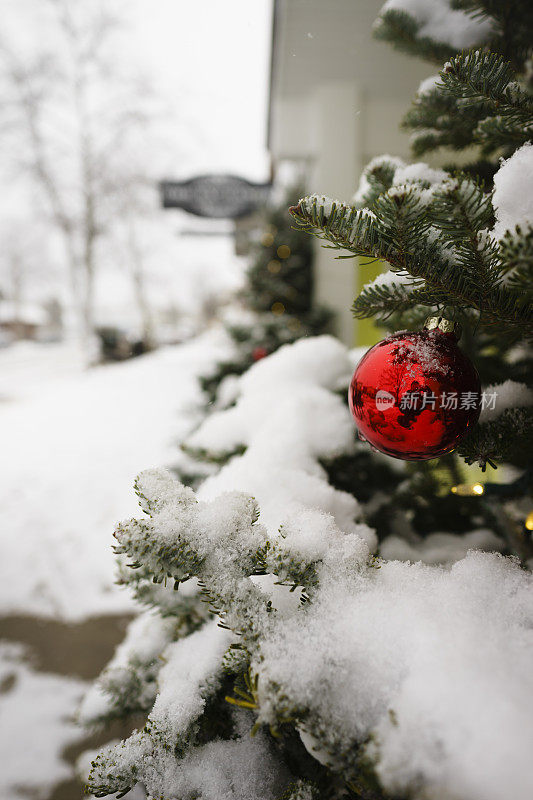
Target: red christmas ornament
(258, 353)
(415, 394)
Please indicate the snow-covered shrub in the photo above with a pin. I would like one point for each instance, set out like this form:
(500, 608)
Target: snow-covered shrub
(355, 673)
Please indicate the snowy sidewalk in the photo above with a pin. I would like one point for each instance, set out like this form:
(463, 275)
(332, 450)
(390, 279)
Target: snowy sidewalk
(69, 452)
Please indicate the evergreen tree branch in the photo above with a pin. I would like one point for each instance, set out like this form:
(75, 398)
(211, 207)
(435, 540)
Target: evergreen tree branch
(402, 31)
(478, 101)
(402, 232)
(509, 435)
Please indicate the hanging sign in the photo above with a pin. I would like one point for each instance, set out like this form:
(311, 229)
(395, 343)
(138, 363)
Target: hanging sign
(215, 196)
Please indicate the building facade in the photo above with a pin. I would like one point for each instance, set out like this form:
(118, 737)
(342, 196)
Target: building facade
(337, 96)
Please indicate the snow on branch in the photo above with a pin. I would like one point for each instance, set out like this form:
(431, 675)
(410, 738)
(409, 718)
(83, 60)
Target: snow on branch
(477, 99)
(375, 667)
(439, 21)
(507, 395)
(128, 684)
(513, 193)
(431, 225)
(423, 654)
(431, 29)
(288, 416)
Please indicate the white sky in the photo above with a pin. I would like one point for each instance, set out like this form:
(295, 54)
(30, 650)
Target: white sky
(210, 60)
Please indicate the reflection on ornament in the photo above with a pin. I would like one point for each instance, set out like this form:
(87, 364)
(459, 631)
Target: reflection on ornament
(278, 309)
(529, 521)
(273, 266)
(283, 251)
(468, 489)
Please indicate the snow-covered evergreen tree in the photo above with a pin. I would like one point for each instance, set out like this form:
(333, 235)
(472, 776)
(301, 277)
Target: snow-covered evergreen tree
(286, 651)
(457, 241)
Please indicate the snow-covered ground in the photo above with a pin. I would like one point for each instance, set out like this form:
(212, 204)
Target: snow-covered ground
(72, 442)
(37, 711)
(27, 368)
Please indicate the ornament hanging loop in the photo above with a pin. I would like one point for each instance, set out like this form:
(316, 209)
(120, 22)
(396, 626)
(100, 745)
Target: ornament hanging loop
(444, 325)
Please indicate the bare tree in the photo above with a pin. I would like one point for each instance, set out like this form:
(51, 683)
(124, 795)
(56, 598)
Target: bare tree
(135, 261)
(70, 114)
(24, 260)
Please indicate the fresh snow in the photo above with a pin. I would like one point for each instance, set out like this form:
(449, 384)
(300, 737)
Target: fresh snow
(191, 672)
(288, 417)
(37, 720)
(433, 664)
(419, 172)
(375, 163)
(437, 20)
(26, 368)
(435, 660)
(428, 85)
(355, 355)
(28, 313)
(327, 203)
(71, 448)
(509, 394)
(404, 642)
(439, 548)
(242, 768)
(513, 198)
(138, 654)
(404, 175)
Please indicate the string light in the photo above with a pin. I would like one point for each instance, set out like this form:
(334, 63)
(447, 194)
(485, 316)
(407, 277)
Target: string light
(273, 266)
(267, 240)
(529, 521)
(278, 309)
(469, 489)
(516, 488)
(283, 251)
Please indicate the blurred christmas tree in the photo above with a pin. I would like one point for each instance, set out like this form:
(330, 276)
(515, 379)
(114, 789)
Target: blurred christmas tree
(277, 300)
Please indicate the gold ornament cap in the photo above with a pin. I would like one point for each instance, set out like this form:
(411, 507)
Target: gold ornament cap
(444, 325)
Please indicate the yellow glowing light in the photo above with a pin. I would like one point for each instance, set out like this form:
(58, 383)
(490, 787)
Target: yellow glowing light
(468, 489)
(283, 251)
(273, 266)
(267, 240)
(278, 309)
(529, 521)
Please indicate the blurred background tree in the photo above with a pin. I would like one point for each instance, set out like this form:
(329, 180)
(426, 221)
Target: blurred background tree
(277, 300)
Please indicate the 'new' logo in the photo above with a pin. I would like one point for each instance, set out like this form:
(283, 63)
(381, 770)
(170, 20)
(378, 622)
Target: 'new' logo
(384, 400)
